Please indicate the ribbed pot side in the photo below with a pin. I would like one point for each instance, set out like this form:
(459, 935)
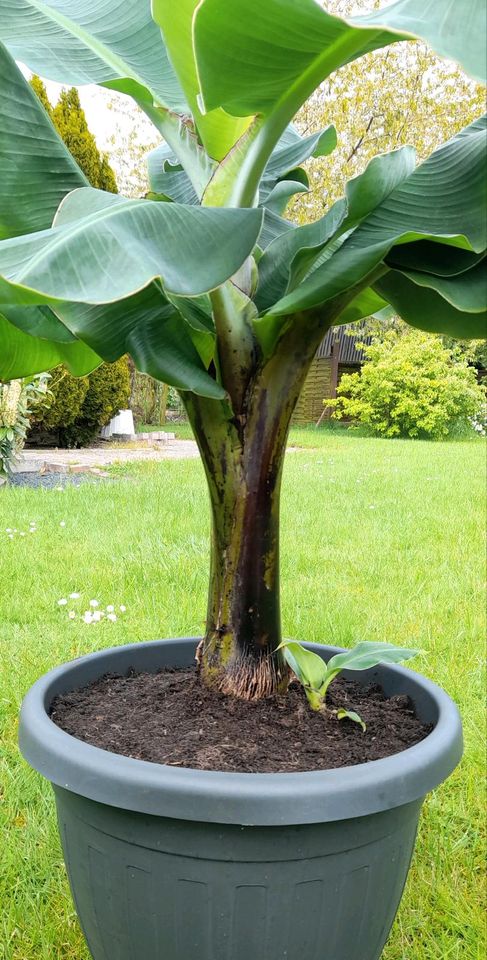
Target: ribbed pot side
(173, 864)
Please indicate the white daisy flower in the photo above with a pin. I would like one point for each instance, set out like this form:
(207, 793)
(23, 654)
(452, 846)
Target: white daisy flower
(62, 602)
(122, 608)
(110, 608)
(74, 596)
(94, 603)
(63, 523)
(112, 617)
(88, 617)
(71, 615)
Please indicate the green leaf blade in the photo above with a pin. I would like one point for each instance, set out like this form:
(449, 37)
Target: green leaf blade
(37, 170)
(137, 241)
(442, 200)
(369, 654)
(309, 668)
(105, 41)
(22, 355)
(343, 714)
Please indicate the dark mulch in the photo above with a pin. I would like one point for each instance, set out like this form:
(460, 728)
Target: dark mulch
(170, 717)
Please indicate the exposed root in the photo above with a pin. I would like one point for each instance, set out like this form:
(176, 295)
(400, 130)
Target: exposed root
(199, 653)
(248, 679)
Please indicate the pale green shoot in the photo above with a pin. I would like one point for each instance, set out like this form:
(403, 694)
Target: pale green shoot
(316, 675)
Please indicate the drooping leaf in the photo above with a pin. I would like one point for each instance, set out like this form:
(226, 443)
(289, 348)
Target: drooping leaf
(165, 350)
(429, 257)
(135, 241)
(22, 355)
(110, 42)
(442, 199)
(423, 307)
(467, 291)
(38, 321)
(343, 714)
(158, 337)
(37, 170)
(367, 303)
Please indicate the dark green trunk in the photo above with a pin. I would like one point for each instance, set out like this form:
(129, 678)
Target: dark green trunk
(243, 457)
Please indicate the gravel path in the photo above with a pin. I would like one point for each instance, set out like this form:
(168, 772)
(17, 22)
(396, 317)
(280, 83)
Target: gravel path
(53, 468)
(52, 480)
(103, 456)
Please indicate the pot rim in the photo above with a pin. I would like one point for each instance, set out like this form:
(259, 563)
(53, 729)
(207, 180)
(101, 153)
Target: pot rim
(257, 799)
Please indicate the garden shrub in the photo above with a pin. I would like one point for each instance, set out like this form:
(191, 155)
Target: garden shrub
(18, 398)
(411, 385)
(64, 401)
(79, 407)
(108, 392)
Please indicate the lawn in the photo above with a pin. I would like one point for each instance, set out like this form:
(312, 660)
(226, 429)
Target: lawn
(382, 540)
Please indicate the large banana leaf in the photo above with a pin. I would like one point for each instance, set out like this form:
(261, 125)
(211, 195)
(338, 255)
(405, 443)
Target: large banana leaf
(218, 130)
(422, 307)
(153, 330)
(443, 199)
(167, 177)
(146, 325)
(114, 43)
(119, 246)
(110, 42)
(37, 170)
(256, 58)
(290, 257)
(22, 355)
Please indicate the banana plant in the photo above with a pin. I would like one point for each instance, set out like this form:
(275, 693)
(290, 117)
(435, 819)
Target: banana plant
(315, 675)
(206, 283)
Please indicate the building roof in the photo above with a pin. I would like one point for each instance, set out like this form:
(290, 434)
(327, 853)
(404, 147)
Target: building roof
(349, 351)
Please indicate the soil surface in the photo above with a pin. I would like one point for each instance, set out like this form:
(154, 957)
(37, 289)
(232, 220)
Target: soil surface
(170, 717)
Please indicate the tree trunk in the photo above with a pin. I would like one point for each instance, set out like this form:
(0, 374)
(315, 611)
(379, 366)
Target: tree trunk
(243, 457)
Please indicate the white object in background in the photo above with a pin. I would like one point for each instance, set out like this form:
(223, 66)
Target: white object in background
(122, 423)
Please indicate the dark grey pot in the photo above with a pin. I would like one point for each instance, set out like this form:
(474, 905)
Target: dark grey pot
(168, 863)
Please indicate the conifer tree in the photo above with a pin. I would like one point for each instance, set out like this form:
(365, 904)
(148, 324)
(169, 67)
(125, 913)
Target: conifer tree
(69, 119)
(106, 179)
(41, 94)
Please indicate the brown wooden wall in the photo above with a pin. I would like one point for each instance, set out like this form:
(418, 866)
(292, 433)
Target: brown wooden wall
(316, 387)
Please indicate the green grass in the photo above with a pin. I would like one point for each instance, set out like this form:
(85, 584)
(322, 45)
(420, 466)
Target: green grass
(382, 540)
(182, 431)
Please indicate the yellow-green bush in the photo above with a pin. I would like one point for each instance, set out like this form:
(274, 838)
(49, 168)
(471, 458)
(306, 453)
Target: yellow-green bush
(411, 385)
